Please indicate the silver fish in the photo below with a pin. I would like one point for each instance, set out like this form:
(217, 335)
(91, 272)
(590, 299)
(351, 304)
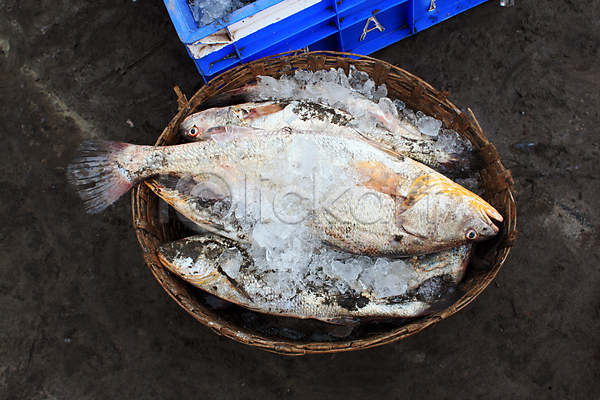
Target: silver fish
(224, 268)
(346, 99)
(343, 189)
(307, 115)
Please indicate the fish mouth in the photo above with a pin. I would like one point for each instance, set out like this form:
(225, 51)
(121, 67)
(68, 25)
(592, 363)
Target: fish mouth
(495, 228)
(166, 263)
(488, 214)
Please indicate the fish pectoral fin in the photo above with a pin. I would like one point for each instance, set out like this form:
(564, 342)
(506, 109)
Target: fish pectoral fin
(261, 111)
(380, 177)
(404, 204)
(226, 133)
(218, 230)
(347, 321)
(168, 263)
(415, 265)
(234, 284)
(399, 200)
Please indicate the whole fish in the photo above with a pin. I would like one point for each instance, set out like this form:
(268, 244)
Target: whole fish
(344, 190)
(225, 268)
(329, 93)
(306, 115)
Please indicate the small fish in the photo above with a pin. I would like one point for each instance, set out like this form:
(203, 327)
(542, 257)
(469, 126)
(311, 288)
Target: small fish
(224, 268)
(344, 189)
(307, 115)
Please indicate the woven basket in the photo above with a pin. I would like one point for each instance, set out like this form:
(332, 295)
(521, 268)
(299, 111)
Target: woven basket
(274, 334)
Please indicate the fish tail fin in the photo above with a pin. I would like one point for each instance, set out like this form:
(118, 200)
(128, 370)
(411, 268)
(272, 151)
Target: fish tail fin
(97, 176)
(461, 163)
(456, 156)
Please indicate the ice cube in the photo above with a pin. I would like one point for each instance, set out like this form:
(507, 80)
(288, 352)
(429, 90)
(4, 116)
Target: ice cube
(196, 9)
(311, 92)
(409, 115)
(321, 76)
(335, 94)
(343, 274)
(380, 92)
(268, 87)
(450, 141)
(303, 155)
(264, 235)
(271, 279)
(399, 105)
(230, 261)
(430, 288)
(286, 88)
(206, 12)
(343, 79)
(357, 78)
(368, 275)
(368, 89)
(388, 107)
(302, 75)
(342, 286)
(389, 285)
(428, 125)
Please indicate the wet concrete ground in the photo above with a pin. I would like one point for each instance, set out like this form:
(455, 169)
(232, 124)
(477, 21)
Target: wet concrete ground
(83, 318)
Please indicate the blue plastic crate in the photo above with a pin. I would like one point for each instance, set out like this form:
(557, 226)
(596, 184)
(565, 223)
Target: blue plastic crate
(268, 27)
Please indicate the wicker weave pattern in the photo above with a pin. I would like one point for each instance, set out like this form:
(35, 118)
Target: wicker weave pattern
(419, 96)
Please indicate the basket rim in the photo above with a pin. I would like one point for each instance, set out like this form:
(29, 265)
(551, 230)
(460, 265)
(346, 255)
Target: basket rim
(499, 179)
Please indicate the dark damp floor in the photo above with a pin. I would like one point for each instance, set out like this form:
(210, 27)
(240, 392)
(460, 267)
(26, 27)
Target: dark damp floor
(83, 318)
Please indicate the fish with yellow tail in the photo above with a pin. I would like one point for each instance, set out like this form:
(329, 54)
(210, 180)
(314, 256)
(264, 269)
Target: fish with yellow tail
(336, 188)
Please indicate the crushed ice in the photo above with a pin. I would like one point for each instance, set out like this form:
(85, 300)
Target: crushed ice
(358, 95)
(207, 11)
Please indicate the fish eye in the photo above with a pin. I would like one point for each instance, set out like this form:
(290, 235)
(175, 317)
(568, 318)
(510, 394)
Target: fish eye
(471, 234)
(194, 131)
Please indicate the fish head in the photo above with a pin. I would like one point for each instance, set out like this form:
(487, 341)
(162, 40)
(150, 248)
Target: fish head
(467, 218)
(197, 127)
(445, 214)
(188, 258)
